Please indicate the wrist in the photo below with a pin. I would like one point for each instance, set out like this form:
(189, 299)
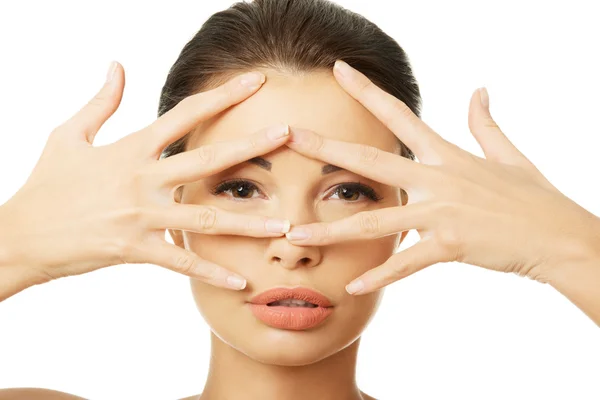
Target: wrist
(577, 251)
(577, 273)
(14, 276)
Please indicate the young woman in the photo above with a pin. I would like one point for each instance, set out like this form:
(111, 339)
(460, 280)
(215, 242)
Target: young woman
(228, 169)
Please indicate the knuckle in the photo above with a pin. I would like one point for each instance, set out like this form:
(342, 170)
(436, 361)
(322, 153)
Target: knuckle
(210, 273)
(137, 185)
(446, 212)
(488, 122)
(448, 239)
(56, 133)
(324, 233)
(207, 218)
(367, 154)
(229, 89)
(253, 142)
(398, 108)
(316, 143)
(369, 224)
(206, 153)
(99, 100)
(446, 234)
(125, 250)
(364, 85)
(185, 264)
(397, 272)
(251, 225)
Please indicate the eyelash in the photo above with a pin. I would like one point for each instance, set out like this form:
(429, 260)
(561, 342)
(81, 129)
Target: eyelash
(248, 185)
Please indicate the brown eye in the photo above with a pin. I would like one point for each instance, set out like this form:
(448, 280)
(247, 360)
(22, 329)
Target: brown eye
(349, 194)
(238, 189)
(243, 191)
(354, 192)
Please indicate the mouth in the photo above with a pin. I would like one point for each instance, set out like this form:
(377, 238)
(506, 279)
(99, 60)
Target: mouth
(292, 297)
(292, 303)
(295, 309)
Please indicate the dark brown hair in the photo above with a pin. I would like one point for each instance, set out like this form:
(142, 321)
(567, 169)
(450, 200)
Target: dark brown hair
(294, 36)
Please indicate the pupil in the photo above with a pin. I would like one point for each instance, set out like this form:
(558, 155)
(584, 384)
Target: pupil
(242, 191)
(350, 194)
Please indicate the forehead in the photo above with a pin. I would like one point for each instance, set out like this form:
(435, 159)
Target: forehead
(312, 100)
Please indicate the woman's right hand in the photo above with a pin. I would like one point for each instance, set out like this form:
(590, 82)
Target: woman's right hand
(85, 208)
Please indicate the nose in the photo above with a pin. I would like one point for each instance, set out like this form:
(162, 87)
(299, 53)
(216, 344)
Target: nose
(284, 254)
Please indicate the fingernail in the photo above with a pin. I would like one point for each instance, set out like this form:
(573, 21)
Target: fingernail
(298, 135)
(298, 234)
(483, 96)
(278, 131)
(252, 80)
(236, 282)
(355, 286)
(111, 71)
(277, 226)
(343, 69)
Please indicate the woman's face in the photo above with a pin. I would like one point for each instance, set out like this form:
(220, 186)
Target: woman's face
(297, 189)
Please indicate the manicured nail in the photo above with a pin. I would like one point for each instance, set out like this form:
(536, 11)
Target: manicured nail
(355, 286)
(252, 80)
(111, 71)
(483, 96)
(278, 131)
(277, 226)
(235, 282)
(343, 69)
(298, 234)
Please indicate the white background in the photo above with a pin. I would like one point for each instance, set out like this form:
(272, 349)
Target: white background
(450, 331)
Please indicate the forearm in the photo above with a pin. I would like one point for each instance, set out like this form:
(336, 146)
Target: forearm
(579, 278)
(580, 283)
(14, 277)
(13, 280)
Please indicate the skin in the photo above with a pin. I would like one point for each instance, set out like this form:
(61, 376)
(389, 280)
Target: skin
(466, 208)
(125, 221)
(319, 362)
(564, 238)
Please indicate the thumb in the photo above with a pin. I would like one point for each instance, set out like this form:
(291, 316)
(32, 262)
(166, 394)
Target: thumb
(494, 143)
(90, 118)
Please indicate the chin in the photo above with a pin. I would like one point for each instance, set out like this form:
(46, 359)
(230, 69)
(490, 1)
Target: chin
(290, 348)
(284, 347)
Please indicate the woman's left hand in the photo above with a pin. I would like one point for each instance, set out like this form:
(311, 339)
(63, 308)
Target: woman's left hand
(497, 212)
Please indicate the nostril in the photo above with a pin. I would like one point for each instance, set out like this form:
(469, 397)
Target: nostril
(305, 261)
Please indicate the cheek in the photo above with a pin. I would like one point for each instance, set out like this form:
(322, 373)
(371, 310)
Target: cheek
(350, 259)
(332, 210)
(237, 253)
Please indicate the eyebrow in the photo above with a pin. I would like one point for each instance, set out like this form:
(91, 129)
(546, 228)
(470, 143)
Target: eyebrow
(261, 162)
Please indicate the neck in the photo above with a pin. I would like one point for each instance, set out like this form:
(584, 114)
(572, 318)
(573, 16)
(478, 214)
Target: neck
(234, 375)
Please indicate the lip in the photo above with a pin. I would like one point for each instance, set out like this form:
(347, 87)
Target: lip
(291, 318)
(300, 293)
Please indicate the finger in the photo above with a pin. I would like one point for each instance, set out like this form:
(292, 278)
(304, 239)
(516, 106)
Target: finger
(364, 225)
(393, 112)
(189, 112)
(214, 221)
(209, 159)
(90, 118)
(494, 143)
(368, 161)
(180, 260)
(415, 258)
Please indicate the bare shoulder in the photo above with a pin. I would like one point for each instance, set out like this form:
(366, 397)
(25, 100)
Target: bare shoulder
(194, 397)
(35, 394)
